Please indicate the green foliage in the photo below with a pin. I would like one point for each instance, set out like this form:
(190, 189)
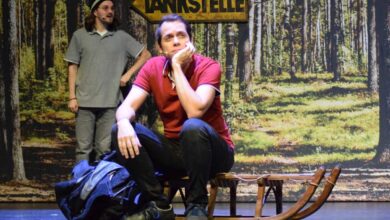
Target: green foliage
(334, 158)
(27, 66)
(311, 121)
(198, 36)
(350, 61)
(43, 102)
(41, 95)
(62, 135)
(259, 141)
(240, 113)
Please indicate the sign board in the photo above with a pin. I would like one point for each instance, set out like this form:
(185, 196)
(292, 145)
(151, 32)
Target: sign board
(194, 10)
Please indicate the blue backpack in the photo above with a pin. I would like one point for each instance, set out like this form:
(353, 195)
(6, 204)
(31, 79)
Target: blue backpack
(104, 190)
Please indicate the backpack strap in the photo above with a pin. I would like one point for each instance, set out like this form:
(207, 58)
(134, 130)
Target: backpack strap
(81, 169)
(110, 156)
(102, 169)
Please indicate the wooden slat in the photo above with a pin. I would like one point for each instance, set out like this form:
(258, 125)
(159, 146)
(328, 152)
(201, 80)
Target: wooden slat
(321, 199)
(318, 176)
(248, 177)
(297, 211)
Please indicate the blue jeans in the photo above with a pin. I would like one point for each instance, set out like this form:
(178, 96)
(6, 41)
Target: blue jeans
(93, 132)
(199, 152)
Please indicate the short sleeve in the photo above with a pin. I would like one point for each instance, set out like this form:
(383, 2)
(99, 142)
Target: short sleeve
(143, 77)
(133, 47)
(72, 55)
(210, 74)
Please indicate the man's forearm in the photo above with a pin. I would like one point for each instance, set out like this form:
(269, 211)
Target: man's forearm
(129, 106)
(125, 112)
(195, 103)
(188, 98)
(72, 74)
(139, 62)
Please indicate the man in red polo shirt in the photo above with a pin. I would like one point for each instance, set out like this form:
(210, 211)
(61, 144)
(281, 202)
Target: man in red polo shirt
(196, 141)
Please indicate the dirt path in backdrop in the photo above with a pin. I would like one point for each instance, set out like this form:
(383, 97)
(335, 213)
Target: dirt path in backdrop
(46, 165)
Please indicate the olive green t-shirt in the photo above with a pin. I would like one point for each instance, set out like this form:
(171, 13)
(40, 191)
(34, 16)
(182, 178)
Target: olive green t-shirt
(101, 62)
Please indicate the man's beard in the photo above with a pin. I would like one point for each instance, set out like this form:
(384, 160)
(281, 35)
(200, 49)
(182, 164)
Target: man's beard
(107, 20)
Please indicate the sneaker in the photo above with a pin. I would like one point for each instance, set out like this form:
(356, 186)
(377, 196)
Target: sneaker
(152, 212)
(195, 212)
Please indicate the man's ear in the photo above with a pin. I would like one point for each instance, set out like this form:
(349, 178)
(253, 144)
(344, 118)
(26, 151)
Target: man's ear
(159, 49)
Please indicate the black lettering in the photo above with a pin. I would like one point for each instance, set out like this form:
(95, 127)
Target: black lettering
(240, 6)
(170, 4)
(222, 6)
(195, 6)
(230, 7)
(155, 5)
(213, 3)
(182, 5)
(204, 6)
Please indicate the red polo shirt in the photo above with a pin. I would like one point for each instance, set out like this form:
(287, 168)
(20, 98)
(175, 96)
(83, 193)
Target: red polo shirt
(202, 70)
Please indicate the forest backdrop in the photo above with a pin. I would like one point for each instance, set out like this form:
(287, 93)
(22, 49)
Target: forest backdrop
(305, 83)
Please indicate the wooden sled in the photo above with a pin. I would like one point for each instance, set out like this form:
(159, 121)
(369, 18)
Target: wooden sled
(274, 183)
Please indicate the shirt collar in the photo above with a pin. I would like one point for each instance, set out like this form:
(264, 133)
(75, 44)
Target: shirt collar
(109, 33)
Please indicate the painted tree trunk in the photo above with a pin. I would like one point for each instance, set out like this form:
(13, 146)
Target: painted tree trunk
(383, 31)
(304, 36)
(229, 65)
(258, 41)
(336, 38)
(13, 150)
(373, 69)
(288, 26)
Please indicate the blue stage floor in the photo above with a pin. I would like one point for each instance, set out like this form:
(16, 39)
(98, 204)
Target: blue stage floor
(332, 210)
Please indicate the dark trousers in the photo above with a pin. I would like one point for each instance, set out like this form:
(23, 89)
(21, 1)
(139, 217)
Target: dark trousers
(199, 152)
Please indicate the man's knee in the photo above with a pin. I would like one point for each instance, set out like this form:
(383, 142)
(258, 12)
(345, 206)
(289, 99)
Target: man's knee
(195, 139)
(193, 126)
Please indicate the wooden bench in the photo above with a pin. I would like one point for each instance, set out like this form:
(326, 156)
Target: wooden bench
(274, 182)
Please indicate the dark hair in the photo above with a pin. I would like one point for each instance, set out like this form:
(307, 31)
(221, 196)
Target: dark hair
(89, 22)
(170, 18)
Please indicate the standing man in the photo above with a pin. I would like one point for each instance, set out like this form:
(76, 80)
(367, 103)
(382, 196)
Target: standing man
(97, 58)
(196, 141)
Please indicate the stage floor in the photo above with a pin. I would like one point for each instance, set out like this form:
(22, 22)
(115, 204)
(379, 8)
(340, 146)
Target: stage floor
(330, 210)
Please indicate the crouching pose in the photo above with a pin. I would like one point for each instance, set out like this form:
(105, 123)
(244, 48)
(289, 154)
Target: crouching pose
(196, 141)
